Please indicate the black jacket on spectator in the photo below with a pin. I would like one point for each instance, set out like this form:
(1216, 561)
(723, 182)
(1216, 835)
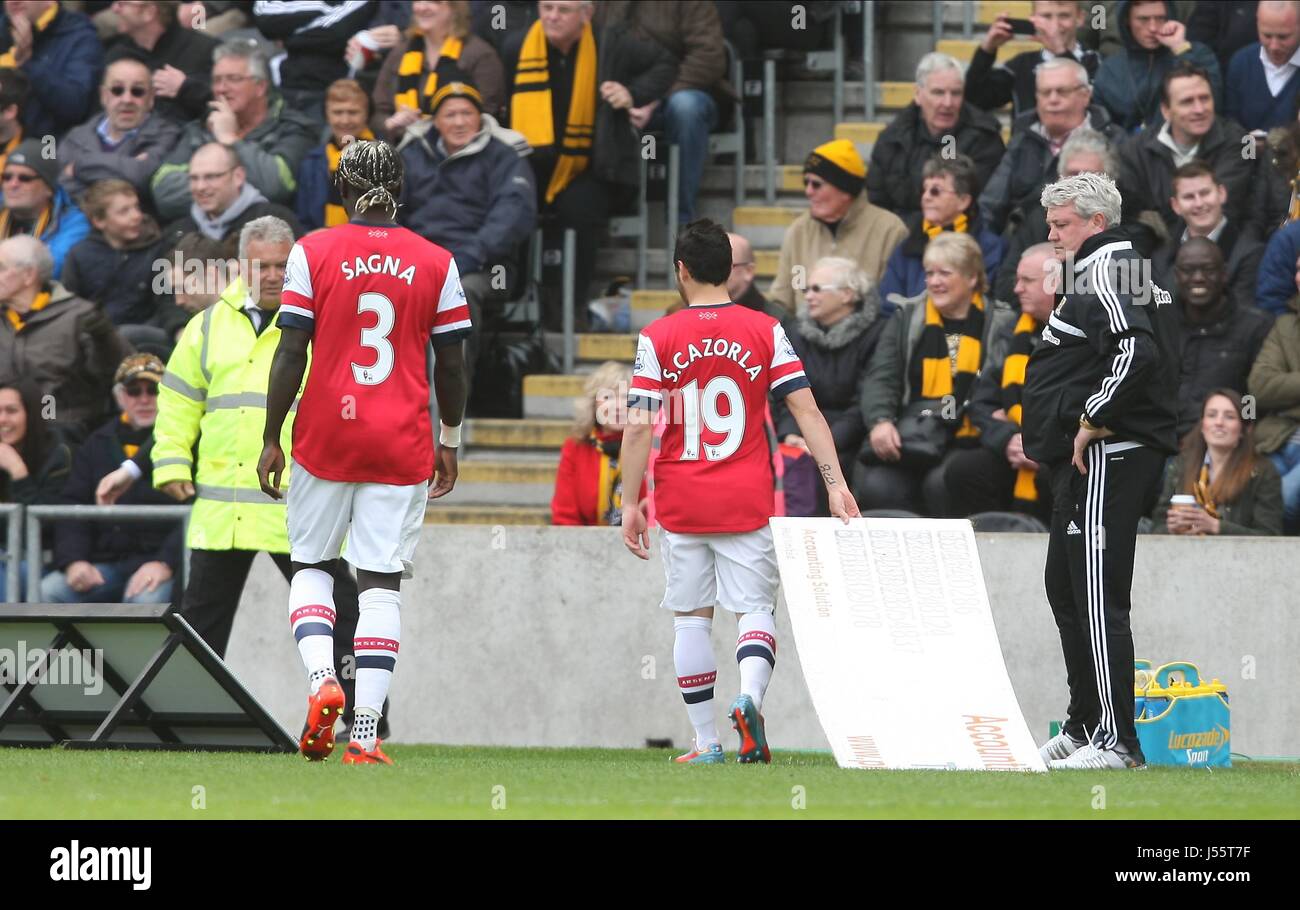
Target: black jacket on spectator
(1272, 200)
(63, 72)
(1241, 257)
(1216, 355)
(1224, 26)
(899, 155)
(315, 39)
(133, 543)
(990, 85)
(1027, 167)
(186, 225)
(1146, 170)
(1257, 510)
(835, 360)
(120, 281)
(645, 68)
(44, 482)
(190, 51)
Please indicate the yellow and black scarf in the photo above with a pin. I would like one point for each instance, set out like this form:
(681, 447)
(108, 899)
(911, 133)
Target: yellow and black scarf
(949, 368)
(959, 225)
(19, 320)
(1013, 387)
(42, 222)
(414, 90)
(609, 493)
(923, 232)
(530, 106)
(1201, 490)
(41, 24)
(335, 213)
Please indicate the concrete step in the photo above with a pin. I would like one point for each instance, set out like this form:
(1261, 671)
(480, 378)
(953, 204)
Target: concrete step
(986, 11)
(596, 348)
(649, 305)
(501, 481)
(964, 49)
(468, 514)
(719, 179)
(765, 262)
(861, 134)
(764, 225)
(515, 434)
(551, 397)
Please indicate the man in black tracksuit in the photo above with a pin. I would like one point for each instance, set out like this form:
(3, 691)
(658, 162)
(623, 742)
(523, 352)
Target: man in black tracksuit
(1100, 402)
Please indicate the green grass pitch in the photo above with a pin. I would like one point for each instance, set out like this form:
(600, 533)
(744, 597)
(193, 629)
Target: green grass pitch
(485, 783)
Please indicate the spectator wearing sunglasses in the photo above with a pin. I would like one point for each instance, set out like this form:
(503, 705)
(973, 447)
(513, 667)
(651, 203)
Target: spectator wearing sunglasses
(36, 205)
(128, 141)
(178, 56)
(839, 222)
(116, 562)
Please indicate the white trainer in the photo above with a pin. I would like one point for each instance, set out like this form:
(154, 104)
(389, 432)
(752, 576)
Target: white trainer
(1094, 758)
(1058, 747)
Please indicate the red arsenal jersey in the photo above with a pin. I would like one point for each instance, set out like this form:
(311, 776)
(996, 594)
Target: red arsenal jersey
(712, 367)
(372, 296)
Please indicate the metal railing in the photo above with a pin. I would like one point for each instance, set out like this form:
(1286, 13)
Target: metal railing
(36, 514)
(13, 512)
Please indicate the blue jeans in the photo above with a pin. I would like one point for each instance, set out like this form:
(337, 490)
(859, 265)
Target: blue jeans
(688, 116)
(55, 589)
(4, 580)
(1287, 462)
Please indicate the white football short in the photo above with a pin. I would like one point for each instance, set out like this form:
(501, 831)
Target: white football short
(374, 526)
(734, 571)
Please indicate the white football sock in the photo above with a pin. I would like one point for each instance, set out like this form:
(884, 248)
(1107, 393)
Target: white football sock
(697, 671)
(379, 633)
(311, 616)
(756, 654)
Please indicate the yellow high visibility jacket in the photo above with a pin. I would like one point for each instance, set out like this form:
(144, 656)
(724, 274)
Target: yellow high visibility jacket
(214, 391)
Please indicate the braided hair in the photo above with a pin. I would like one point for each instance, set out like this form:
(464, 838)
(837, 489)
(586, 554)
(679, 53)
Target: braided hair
(373, 169)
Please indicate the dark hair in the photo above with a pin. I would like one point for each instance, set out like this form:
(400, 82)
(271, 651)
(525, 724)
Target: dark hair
(965, 179)
(1236, 474)
(39, 440)
(13, 88)
(373, 170)
(704, 248)
(1193, 169)
(1183, 69)
(197, 246)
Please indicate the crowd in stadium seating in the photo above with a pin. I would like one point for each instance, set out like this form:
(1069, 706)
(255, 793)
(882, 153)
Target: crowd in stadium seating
(137, 132)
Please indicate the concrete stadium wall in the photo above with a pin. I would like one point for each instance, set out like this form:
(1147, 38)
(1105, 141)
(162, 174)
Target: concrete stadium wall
(553, 637)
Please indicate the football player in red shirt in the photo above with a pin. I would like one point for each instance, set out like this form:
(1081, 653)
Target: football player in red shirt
(713, 365)
(368, 296)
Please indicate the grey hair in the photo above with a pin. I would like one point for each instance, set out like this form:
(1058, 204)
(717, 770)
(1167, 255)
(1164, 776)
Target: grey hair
(850, 276)
(26, 252)
(935, 62)
(1086, 140)
(245, 49)
(267, 229)
(1063, 63)
(1091, 194)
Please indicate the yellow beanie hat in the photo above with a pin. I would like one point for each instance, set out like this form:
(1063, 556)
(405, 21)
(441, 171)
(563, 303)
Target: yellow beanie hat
(839, 164)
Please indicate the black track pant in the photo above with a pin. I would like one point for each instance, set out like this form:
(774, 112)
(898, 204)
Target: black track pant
(1089, 578)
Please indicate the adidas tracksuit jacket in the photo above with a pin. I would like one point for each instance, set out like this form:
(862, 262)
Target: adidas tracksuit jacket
(1110, 355)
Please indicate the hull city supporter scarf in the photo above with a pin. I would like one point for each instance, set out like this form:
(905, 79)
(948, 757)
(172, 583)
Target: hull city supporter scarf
(1201, 489)
(914, 245)
(7, 224)
(609, 493)
(949, 361)
(410, 74)
(18, 320)
(335, 213)
(530, 106)
(1013, 387)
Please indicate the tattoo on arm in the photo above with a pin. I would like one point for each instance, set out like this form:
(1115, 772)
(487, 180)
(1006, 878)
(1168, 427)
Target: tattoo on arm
(828, 474)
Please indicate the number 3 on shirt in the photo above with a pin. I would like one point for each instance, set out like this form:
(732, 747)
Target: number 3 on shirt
(375, 338)
(696, 406)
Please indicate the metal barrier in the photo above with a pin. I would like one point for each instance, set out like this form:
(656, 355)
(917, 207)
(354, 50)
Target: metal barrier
(868, 59)
(13, 512)
(35, 514)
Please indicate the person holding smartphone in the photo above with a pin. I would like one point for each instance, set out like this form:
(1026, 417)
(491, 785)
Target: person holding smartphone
(1053, 24)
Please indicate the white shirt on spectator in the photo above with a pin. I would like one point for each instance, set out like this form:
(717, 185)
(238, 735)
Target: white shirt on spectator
(1277, 76)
